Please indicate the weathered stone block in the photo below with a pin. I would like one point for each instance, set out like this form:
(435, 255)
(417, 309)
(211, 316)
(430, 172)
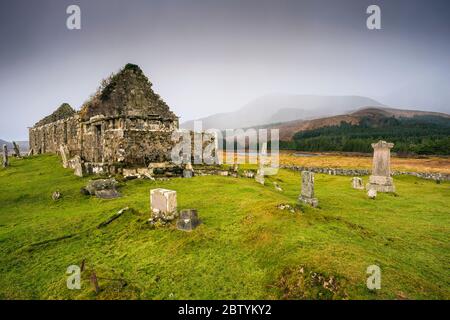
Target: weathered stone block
(77, 165)
(188, 220)
(372, 193)
(64, 152)
(381, 179)
(259, 177)
(307, 193)
(5, 156)
(187, 173)
(357, 183)
(103, 188)
(163, 201)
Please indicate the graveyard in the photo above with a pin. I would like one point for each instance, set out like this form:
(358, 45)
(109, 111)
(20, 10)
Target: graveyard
(254, 241)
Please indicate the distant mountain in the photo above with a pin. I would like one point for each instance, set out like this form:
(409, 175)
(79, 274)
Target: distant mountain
(288, 129)
(282, 108)
(23, 146)
(412, 132)
(2, 142)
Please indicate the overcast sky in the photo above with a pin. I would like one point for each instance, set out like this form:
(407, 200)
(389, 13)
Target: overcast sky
(205, 57)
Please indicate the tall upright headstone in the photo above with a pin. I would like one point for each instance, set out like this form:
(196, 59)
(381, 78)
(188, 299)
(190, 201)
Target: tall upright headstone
(16, 150)
(307, 194)
(5, 156)
(64, 151)
(262, 159)
(381, 179)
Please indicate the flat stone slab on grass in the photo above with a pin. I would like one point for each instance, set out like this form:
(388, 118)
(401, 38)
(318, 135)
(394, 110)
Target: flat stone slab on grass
(103, 188)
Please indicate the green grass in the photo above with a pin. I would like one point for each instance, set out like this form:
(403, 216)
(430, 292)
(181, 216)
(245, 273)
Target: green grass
(246, 248)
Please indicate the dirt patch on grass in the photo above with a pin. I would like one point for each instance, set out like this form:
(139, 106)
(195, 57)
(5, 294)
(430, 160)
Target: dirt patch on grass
(303, 283)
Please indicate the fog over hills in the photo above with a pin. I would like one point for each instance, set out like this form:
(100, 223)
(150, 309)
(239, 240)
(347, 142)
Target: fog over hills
(283, 108)
(288, 129)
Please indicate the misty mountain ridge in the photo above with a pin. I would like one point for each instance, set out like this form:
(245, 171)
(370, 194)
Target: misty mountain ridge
(289, 128)
(23, 146)
(281, 108)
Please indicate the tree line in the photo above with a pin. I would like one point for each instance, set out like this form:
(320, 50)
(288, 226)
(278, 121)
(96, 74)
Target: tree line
(417, 135)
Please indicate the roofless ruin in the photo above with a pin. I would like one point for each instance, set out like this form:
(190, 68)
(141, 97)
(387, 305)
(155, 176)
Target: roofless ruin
(124, 124)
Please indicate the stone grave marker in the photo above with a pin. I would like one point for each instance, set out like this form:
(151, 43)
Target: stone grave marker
(188, 220)
(381, 179)
(307, 194)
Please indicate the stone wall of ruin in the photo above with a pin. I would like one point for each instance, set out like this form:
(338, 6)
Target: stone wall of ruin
(128, 142)
(48, 138)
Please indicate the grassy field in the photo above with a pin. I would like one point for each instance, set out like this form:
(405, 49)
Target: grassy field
(424, 164)
(246, 247)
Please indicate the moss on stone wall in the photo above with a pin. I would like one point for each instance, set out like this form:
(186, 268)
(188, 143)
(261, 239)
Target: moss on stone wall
(63, 112)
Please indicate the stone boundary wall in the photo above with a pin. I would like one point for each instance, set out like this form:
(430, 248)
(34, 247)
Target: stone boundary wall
(176, 171)
(365, 172)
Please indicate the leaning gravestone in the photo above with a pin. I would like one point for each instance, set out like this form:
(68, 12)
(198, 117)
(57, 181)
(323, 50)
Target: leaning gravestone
(5, 156)
(307, 194)
(64, 151)
(357, 183)
(188, 220)
(163, 203)
(16, 150)
(381, 179)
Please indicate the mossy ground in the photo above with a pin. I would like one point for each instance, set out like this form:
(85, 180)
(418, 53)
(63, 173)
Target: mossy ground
(246, 248)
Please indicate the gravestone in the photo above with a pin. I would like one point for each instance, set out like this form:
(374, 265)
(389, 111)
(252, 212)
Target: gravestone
(188, 171)
(188, 220)
(307, 194)
(5, 156)
(64, 151)
(77, 165)
(381, 179)
(16, 150)
(357, 183)
(262, 158)
(163, 203)
(259, 177)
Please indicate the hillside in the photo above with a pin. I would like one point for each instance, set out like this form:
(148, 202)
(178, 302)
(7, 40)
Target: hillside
(418, 134)
(282, 108)
(288, 129)
(245, 248)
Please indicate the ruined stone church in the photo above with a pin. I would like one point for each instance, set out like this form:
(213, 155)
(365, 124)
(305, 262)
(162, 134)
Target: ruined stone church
(124, 124)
